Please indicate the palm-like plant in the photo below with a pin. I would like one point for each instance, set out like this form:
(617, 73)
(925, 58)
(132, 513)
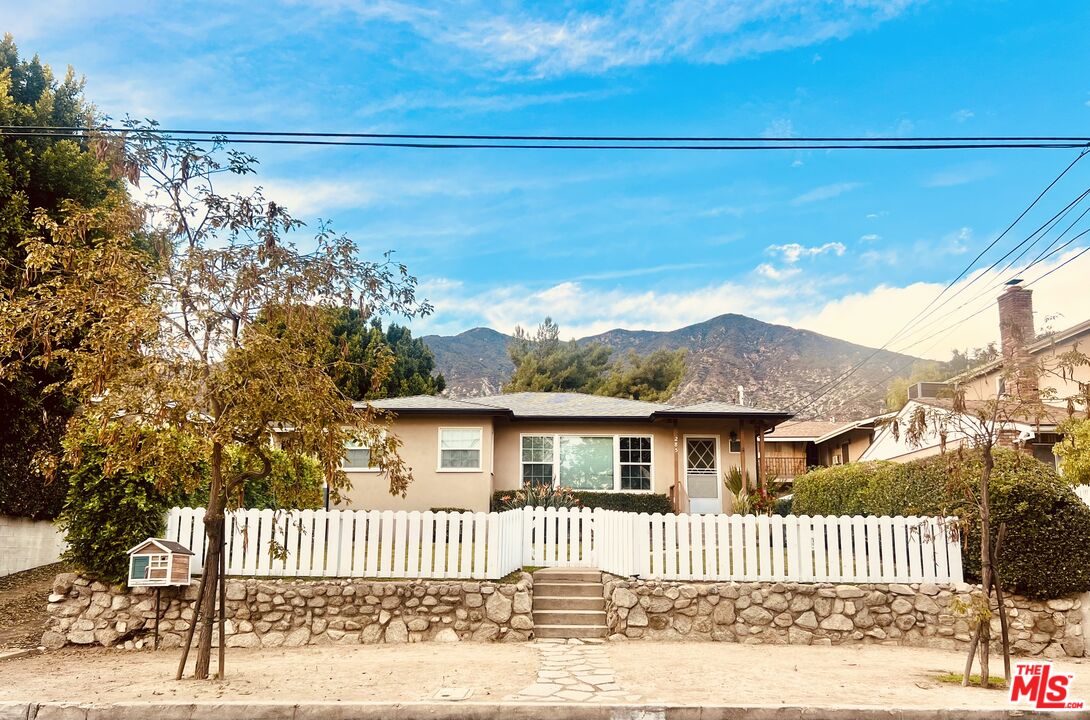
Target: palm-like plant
(546, 496)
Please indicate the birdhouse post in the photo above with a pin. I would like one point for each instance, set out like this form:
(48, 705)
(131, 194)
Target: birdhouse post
(159, 563)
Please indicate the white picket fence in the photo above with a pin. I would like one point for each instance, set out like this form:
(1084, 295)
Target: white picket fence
(344, 543)
(1083, 491)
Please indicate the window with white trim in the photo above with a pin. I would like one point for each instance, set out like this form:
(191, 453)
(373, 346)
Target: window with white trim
(460, 449)
(357, 456)
(537, 460)
(635, 463)
(588, 462)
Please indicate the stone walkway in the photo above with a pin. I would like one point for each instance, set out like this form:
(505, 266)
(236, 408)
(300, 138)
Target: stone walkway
(574, 671)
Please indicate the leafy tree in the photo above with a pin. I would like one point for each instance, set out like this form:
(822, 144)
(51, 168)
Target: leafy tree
(169, 337)
(897, 390)
(653, 377)
(38, 174)
(380, 364)
(545, 363)
(1074, 451)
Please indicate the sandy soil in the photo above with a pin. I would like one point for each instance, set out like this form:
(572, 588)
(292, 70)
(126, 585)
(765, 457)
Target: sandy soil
(22, 605)
(674, 673)
(728, 674)
(366, 672)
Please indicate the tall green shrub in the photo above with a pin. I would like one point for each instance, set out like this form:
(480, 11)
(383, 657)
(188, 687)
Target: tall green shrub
(1046, 552)
(108, 511)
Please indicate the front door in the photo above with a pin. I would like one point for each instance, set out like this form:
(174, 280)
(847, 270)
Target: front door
(702, 483)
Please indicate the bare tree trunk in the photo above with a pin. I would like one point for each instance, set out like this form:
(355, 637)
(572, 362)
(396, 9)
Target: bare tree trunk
(213, 523)
(973, 642)
(223, 607)
(1001, 604)
(985, 561)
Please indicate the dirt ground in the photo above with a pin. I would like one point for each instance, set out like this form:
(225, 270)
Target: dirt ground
(674, 673)
(23, 599)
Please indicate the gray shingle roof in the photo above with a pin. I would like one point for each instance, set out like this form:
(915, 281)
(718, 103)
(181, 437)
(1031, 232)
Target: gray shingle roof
(568, 405)
(431, 404)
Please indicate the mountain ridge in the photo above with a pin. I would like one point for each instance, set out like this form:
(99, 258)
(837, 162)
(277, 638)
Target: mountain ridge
(777, 365)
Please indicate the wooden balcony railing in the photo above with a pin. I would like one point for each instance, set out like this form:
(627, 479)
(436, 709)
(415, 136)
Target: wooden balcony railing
(784, 467)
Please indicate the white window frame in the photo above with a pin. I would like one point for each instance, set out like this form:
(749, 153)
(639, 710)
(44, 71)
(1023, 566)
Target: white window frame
(439, 449)
(359, 446)
(616, 457)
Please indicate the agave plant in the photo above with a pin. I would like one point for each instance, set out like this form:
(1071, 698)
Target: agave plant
(546, 496)
(736, 481)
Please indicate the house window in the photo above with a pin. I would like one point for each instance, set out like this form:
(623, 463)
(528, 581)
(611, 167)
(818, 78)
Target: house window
(635, 463)
(357, 456)
(587, 462)
(537, 460)
(460, 449)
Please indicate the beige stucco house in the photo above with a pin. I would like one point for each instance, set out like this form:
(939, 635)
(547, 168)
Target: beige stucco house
(1021, 376)
(461, 451)
(796, 445)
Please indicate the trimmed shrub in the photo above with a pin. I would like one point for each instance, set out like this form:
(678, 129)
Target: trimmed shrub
(837, 490)
(106, 514)
(624, 501)
(1046, 553)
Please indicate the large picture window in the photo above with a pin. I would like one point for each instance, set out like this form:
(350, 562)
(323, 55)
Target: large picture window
(587, 462)
(460, 449)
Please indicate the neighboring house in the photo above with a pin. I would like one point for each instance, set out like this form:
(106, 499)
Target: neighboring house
(1014, 379)
(461, 451)
(797, 445)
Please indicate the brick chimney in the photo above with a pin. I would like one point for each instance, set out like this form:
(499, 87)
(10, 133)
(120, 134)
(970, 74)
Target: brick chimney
(1015, 333)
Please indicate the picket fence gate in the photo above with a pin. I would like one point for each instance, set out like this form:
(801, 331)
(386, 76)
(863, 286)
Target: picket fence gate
(387, 544)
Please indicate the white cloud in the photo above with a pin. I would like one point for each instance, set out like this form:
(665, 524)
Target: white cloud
(960, 175)
(963, 115)
(870, 237)
(793, 252)
(826, 192)
(779, 128)
(404, 102)
(552, 38)
(774, 273)
(869, 317)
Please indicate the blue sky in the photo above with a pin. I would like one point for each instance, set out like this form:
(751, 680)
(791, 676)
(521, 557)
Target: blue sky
(846, 243)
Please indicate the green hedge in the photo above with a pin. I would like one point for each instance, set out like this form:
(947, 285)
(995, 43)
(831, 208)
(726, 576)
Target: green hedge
(624, 501)
(1046, 553)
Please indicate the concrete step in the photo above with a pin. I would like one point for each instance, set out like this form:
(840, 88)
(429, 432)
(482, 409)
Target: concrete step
(569, 617)
(569, 589)
(568, 574)
(571, 631)
(569, 603)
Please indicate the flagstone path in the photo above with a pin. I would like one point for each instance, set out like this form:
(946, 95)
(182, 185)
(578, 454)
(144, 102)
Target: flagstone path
(574, 671)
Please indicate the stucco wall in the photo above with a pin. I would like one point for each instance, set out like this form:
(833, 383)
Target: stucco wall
(430, 488)
(983, 387)
(26, 544)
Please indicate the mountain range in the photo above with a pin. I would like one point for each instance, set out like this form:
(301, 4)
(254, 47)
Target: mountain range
(777, 366)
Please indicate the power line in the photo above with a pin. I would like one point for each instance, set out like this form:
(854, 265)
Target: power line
(564, 138)
(754, 144)
(824, 390)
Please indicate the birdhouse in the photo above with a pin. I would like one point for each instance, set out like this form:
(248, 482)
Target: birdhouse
(159, 563)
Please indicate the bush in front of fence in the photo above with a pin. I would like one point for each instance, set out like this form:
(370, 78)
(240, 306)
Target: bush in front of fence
(1046, 553)
(626, 502)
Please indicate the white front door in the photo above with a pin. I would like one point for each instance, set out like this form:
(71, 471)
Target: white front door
(702, 483)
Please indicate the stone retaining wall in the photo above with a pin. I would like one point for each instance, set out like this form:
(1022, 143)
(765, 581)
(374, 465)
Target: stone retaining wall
(826, 614)
(280, 612)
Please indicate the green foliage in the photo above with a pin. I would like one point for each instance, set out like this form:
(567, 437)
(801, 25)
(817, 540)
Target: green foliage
(623, 501)
(546, 496)
(294, 482)
(109, 510)
(1074, 451)
(545, 363)
(1046, 552)
(934, 371)
(653, 377)
(407, 364)
(38, 174)
(837, 490)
